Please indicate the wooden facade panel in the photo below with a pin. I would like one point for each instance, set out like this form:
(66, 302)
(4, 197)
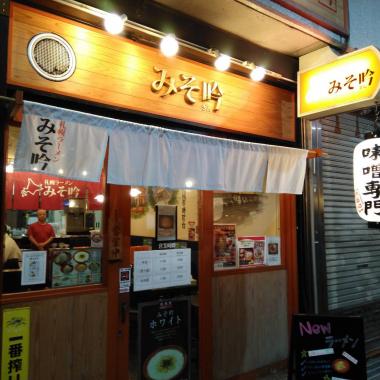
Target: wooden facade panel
(250, 314)
(116, 71)
(68, 337)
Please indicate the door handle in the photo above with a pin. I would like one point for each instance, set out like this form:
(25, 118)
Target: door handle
(123, 312)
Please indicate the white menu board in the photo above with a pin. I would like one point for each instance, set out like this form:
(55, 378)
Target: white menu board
(162, 268)
(33, 267)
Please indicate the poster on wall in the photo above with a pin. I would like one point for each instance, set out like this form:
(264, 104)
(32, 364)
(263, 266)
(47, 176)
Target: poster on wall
(251, 250)
(225, 246)
(164, 340)
(33, 268)
(15, 344)
(70, 267)
(272, 250)
(166, 222)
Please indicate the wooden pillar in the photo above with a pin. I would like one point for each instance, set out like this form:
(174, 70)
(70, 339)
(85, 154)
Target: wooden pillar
(117, 226)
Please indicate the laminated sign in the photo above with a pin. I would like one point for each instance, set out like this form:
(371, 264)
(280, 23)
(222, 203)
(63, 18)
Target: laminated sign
(15, 344)
(367, 179)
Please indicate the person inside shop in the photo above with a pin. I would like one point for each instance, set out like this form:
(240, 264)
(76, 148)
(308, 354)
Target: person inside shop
(41, 233)
(12, 253)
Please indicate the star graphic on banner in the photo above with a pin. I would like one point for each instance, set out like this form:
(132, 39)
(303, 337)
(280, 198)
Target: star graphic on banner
(304, 354)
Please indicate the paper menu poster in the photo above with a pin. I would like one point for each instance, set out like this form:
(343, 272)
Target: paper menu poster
(272, 250)
(224, 246)
(251, 250)
(33, 267)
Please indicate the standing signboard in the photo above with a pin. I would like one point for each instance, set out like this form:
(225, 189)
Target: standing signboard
(164, 339)
(328, 348)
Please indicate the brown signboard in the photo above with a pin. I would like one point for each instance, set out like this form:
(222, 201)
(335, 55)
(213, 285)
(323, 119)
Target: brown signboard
(331, 14)
(119, 72)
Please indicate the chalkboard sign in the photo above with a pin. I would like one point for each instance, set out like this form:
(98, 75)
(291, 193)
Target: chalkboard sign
(164, 339)
(327, 348)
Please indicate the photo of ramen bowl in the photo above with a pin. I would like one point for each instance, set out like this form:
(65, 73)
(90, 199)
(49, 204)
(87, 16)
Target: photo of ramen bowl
(62, 258)
(81, 256)
(341, 365)
(166, 363)
(80, 267)
(67, 268)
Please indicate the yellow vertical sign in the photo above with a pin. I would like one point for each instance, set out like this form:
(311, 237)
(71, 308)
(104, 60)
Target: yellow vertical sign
(15, 344)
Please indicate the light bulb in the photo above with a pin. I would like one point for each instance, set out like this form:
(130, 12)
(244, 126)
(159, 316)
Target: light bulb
(189, 183)
(134, 192)
(9, 168)
(99, 198)
(258, 73)
(114, 23)
(169, 46)
(84, 173)
(223, 62)
(60, 171)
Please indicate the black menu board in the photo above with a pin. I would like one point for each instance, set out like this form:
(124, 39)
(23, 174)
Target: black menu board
(164, 339)
(328, 348)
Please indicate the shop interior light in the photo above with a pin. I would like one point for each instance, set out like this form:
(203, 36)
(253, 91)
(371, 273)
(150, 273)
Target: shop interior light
(222, 62)
(84, 173)
(114, 23)
(134, 192)
(189, 183)
(9, 168)
(72, 203)
(99, 198)
(35, 168)
(169, 46)
(60, 171)
(258, 73)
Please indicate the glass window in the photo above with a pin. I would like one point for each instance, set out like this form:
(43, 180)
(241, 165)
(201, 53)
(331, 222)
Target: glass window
(246, 230)
(52, 235)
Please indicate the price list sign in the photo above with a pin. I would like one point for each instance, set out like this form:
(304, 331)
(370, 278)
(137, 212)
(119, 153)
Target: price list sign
(162, 268)
(328, 348)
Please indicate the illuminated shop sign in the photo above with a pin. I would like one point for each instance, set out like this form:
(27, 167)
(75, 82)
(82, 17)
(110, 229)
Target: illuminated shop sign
(350, 82)
(193, 90)
(367, 179)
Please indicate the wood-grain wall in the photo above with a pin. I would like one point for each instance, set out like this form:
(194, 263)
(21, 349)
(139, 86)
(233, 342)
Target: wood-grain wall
(116, 71)
(250, 322)
(68, 337)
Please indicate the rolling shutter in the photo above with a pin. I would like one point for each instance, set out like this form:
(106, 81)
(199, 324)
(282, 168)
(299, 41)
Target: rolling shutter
(352, 249)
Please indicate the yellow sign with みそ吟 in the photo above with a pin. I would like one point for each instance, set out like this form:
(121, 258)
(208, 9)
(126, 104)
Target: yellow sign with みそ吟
(350, 82)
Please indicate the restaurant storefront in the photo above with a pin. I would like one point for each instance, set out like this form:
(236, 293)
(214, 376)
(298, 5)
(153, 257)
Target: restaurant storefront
(172, 245)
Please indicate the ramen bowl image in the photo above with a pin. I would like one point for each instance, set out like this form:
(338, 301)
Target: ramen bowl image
(341, 365)
(165, 363)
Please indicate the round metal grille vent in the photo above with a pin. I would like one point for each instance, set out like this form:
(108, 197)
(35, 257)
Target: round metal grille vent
(51, 56)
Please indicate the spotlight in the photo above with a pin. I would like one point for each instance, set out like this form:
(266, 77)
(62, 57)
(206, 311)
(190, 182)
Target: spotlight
(134, 192)
(169, 46)
(114, 23)
(9, 168)
(99, 198)
(258, 73)
(223, 62)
